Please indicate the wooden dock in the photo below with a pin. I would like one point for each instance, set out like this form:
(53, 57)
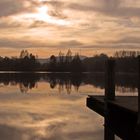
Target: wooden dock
(121, 113)
(121, 116)
(126, 103)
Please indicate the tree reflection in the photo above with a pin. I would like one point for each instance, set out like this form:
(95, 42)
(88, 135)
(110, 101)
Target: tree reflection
(65, 82)
(25, 81)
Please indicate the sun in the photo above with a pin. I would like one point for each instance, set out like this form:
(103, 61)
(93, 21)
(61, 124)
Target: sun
(42, 14)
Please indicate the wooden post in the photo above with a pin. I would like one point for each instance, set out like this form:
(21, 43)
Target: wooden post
(138, 121)
(109, 95)
(108, 133)
(139, 89)
(110, 79)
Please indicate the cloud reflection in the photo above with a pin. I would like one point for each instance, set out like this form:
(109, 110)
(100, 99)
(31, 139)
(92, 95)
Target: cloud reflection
(48, 118)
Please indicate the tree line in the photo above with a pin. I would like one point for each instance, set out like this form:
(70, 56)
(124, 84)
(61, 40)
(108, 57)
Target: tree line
(25, 62)
(126, 61)
(65, 63)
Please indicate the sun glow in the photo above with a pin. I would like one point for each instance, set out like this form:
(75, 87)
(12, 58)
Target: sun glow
(42, 14)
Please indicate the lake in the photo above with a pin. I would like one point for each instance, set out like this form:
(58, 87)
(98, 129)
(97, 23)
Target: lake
(52, 106)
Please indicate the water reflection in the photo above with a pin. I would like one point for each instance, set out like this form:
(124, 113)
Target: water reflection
(66, 81)
(45, 117)
(24, 80)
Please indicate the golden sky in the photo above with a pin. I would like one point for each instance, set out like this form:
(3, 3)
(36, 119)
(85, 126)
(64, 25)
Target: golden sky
(45, 27)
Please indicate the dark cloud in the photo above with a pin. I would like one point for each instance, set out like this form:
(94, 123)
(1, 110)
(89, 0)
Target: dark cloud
(57, 14)
(107, 7)
(122, 12)
(9, 133)
(11, 7)
(38, 23)
(23, 43)
(130, 40)
(126, 43)
(8, 7)
(9, 24)
(71, 43)
(112, 45)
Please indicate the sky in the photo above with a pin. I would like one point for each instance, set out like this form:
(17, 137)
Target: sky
(45, 27)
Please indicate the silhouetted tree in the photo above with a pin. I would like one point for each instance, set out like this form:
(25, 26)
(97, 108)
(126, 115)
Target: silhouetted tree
(68, 60)
(96, 63)
(60, 65)
(52, 64)
(24, 53)
(25, 62)
(126, 61)
(76, 64)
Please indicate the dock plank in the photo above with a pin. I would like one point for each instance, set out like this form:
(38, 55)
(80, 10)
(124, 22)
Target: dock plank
(129, 103)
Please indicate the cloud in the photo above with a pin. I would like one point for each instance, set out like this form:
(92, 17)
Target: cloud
(130, 40)
(57, 14)
(70, 44)
(23, 43)
(56, 8)
(11, 7)
(116, 8)
(9, 133)
(7, 23)
(27, 43)
(122, 41)
(38, 23)
(89, 23)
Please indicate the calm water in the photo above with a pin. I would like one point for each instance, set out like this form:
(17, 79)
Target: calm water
(46, 106)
